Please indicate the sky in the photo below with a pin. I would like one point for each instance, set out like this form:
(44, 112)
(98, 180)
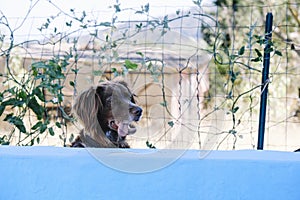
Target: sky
(16, 10)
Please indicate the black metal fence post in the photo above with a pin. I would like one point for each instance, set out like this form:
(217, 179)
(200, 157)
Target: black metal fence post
(265, 82)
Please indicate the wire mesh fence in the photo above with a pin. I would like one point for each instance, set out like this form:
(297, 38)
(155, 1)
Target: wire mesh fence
(196, 71)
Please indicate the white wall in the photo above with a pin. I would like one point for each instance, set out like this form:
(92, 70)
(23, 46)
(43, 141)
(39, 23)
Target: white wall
(68, 173)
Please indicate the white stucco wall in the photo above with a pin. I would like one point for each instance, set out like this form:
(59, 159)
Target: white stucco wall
(68, 173)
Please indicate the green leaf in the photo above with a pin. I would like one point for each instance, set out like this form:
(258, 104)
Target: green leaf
(269, 50)
(130, 65)
(241, 51)
(72, 83)
(278, 53)
(5, 143)
(115, 71)
(234, 110)
(232, 57)
(164, 104)
(151, 146)
(139, 26)
(140, 53)
(43, 128)
(75, 71)
(106, 24)
(22, 94)
(58, 124)
(38, 92)
(37, 125)
(16, 121)
(69, 23)
(19, 124)
(2, 108)
(10, 102)
(39, 65)
(51, 132)
(146, 7)
(258, 53)
(60, 98)
(36, 107)
(117, 8)
(8, 117)
(139, 12)
(258, 59)
(171, 123)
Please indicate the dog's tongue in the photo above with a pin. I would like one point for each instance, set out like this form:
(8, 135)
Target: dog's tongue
(122, 129)
(125, 128)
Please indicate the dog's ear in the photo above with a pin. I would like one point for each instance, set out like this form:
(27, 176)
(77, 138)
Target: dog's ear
(86, 106)
(100, 90)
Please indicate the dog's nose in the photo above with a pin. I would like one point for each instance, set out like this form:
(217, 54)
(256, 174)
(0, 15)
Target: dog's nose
(137, 111)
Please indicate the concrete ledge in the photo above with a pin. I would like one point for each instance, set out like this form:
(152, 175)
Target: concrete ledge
(69, 173)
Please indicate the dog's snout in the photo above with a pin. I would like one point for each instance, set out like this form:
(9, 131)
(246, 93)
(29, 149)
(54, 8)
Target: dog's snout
(137, 111)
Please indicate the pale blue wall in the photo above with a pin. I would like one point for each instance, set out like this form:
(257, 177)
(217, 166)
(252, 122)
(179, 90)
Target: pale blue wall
(67, 173)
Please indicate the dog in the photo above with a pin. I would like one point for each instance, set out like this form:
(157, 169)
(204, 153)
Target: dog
(107, 112)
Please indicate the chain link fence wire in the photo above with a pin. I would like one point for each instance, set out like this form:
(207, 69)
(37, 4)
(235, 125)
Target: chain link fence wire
(196, 71)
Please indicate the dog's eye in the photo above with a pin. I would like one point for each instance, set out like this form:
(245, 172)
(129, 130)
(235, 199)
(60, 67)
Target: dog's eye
(132, 98)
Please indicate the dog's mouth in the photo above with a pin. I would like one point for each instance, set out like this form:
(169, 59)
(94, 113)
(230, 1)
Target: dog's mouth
(122, 127)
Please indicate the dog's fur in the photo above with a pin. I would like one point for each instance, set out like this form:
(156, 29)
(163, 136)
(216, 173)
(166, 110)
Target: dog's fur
(106, 111)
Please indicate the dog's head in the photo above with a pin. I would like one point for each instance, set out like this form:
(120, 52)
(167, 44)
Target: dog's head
(108, 111)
